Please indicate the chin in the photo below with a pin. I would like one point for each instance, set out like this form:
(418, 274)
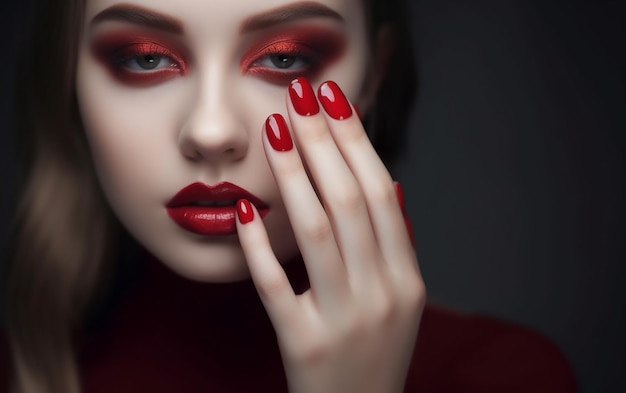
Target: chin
(204, 260)
(210, 259)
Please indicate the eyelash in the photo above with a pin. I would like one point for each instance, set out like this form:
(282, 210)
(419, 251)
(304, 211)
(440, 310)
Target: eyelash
(301, 57)
(125, 63)
(314, 48)
(306, 61)
(123, 59)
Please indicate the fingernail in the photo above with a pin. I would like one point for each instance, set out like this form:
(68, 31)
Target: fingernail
(400, 195)
(409, 229)
(303, 97)
(334, 101)
(278, 133)
(407, 222)
(244, 211)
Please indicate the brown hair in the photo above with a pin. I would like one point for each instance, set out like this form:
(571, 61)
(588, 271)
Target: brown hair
(61, 223)
(386, 122)
(63, 230)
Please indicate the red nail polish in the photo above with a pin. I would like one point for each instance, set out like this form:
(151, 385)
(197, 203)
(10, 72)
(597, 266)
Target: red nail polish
(303, 97)
(244, 211)
(409, 229)
(334, 101)
(278, 133)
(407, 222)
(400, 195)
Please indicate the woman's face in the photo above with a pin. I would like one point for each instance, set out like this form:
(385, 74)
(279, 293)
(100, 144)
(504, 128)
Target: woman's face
(174, 93)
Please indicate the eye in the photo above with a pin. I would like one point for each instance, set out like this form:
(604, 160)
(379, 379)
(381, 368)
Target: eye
(149, 62)
(283, 60)
(146, 58)
(137, 59)
(292, 60)
(302, 51)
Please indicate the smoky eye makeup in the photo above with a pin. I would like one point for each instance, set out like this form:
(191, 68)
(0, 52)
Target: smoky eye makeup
(139, 58)
(289, 53)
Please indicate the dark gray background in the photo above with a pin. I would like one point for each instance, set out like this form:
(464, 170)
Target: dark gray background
(514, 172)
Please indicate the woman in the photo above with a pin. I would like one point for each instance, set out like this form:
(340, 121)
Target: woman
(276, 254)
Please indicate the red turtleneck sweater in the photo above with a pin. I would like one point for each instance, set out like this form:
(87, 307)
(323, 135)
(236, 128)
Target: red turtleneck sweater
(169, 334)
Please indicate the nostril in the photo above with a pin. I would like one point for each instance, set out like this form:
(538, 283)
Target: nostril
(212, 138)
(232, 153)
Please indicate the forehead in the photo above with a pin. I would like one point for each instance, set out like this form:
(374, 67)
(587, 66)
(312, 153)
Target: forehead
(224, 16)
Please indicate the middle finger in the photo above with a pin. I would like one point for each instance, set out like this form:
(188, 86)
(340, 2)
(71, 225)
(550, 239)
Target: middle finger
(310, 224)
(339, 190)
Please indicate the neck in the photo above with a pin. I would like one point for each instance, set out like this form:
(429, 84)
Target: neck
(220, 320)
(164, 329)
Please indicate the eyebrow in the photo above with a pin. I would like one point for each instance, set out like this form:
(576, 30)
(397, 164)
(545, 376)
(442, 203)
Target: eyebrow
(139, 16)
(145, 17)
(288, 13)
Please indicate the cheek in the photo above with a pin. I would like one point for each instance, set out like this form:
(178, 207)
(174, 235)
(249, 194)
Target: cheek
(127, 134)
(134, 137)
(350, 73)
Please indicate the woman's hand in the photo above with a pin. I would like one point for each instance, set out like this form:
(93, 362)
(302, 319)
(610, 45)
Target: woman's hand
(354, 330)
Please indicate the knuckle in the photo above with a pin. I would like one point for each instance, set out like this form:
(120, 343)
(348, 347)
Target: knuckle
(314, 133)
(353, 135)
(289, 165)
(310, 353)
(349, 198)
(272, 287)
(318, 230)
(384, 193)
(353, 329)
(415, 293)
(384, 310)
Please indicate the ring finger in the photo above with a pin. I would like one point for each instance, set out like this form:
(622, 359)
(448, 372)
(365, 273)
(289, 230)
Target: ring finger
(340, 192)
(310, 224)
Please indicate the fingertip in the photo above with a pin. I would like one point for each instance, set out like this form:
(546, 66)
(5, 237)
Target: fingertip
(277, 133)
(302, 97)
(245, 211)
(334, 101)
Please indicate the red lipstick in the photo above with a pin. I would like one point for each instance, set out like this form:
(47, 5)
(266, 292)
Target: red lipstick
(209, 210)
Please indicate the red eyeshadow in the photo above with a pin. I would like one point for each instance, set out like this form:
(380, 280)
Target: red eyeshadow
(114, 49)
(318, 47)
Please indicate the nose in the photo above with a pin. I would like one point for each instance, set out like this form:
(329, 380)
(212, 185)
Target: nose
(214, 129)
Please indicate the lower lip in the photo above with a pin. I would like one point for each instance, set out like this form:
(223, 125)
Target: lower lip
(207, 220)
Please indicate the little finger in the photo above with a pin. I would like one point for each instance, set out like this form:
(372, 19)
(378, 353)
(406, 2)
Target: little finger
(267, 274)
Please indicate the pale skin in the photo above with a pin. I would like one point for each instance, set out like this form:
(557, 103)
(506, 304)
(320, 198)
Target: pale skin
(330, 198)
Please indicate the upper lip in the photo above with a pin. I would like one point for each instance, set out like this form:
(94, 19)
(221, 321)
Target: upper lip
(220, 192)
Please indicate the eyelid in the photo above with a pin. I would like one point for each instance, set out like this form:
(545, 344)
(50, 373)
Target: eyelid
(114, 48)
(320, 45)
(289, 48)
(133, 50)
